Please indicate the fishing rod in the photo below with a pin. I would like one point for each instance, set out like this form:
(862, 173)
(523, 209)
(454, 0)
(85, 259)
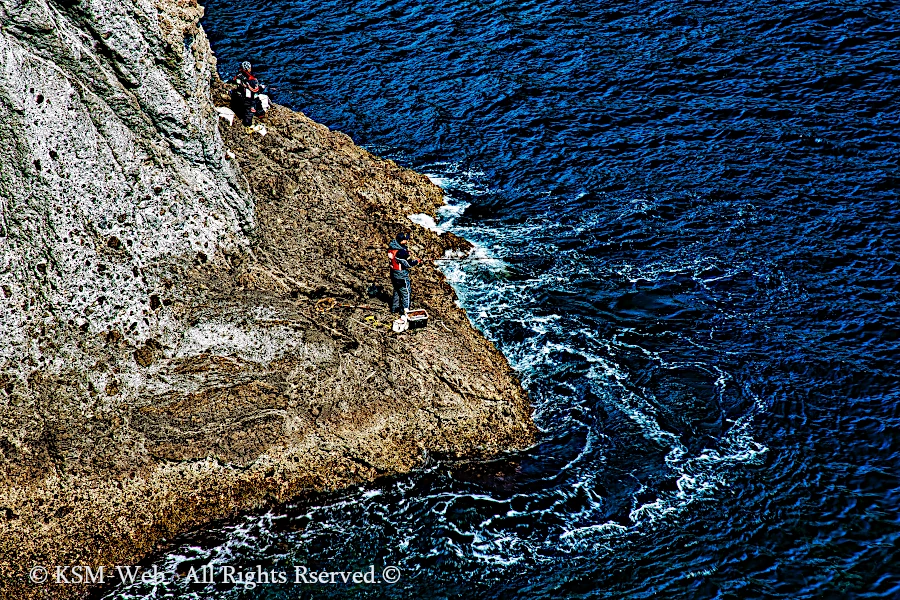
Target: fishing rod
(443, 257)
(467, 259)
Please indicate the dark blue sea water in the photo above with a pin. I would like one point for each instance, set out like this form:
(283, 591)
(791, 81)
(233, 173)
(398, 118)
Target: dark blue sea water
(690, 211)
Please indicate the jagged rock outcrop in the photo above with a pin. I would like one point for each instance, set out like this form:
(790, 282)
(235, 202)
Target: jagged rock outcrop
(181, 341)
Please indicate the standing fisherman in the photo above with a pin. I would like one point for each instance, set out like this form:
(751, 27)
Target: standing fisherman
(401, 262)
(246, 96)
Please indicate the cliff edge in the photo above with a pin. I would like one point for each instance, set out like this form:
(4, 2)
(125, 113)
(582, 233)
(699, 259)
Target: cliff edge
(183, 303)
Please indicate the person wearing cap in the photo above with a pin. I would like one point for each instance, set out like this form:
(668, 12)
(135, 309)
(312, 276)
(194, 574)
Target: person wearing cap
(401, 262)
(246, 96)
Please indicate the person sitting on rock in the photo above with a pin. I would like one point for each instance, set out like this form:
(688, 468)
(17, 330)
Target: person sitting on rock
(401, 262)
(245, 99)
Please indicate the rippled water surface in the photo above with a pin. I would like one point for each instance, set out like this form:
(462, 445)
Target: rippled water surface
(687, 226)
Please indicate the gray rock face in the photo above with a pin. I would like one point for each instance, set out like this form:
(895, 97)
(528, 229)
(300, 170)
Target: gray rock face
(182, 342)
(112, 163)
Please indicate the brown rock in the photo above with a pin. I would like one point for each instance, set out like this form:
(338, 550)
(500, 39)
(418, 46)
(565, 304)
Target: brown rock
(144, 356)
(112, 387)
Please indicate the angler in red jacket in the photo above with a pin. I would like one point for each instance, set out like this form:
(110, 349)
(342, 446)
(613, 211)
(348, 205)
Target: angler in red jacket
(401, 262)
(246, 97)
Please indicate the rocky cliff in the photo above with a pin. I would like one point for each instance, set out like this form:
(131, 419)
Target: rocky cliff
(185, 326)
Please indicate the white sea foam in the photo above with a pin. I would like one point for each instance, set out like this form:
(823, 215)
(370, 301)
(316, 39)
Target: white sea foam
(426, 221)
(570, 497)
(699, 477)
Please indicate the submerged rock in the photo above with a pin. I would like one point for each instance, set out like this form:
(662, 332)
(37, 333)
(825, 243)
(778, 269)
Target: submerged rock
(184, 307)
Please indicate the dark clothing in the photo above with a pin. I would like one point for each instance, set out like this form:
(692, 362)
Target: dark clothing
(245, 98)
(402, 292)
(401, 263)
(248, 82)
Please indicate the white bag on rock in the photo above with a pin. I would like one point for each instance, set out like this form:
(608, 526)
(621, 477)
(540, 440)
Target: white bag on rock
(401, 324)
(226, 113)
